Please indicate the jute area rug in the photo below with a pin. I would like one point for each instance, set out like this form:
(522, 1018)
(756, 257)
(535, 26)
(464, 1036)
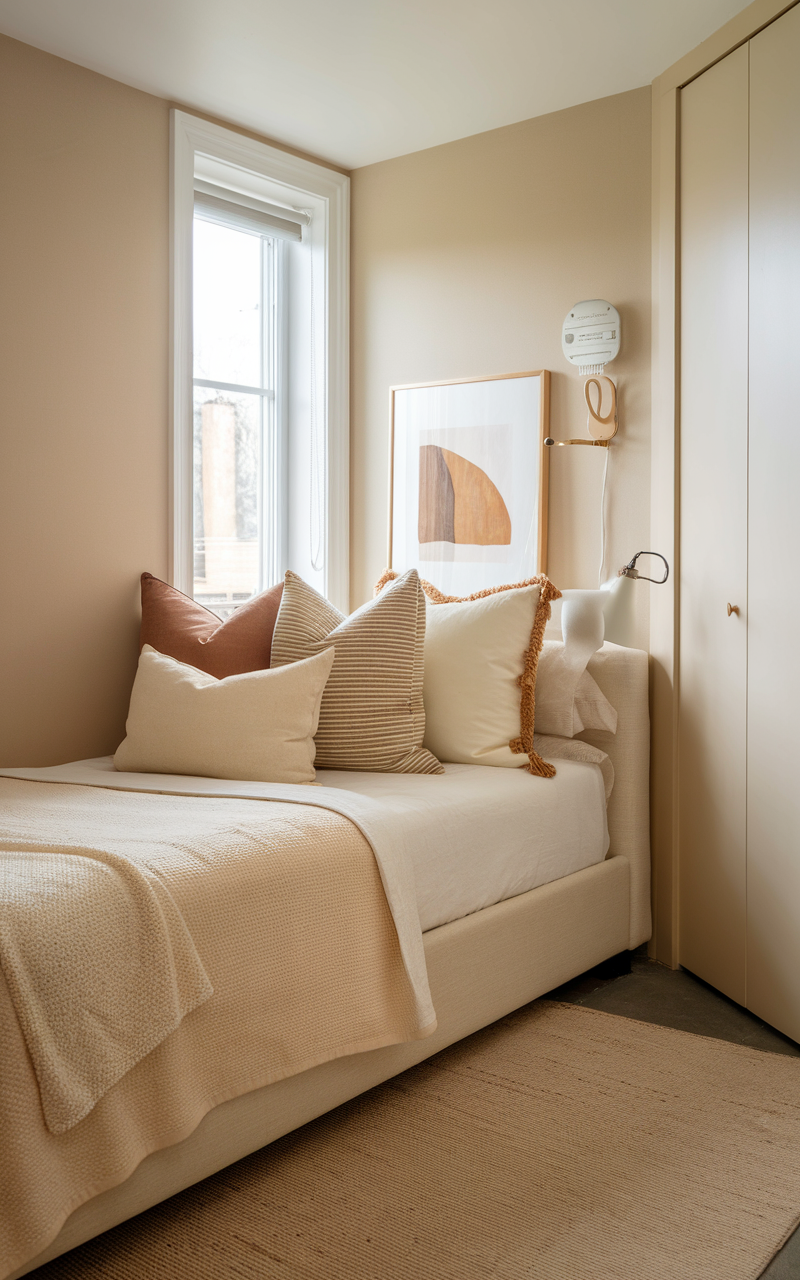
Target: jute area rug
(558, 1144)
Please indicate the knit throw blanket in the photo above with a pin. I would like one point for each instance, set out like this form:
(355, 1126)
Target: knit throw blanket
(99, 957)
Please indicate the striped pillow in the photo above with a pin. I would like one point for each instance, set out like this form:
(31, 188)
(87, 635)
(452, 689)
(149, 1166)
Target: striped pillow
(372, 717)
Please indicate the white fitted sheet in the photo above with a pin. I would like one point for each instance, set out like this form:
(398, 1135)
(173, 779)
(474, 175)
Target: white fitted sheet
(477, 835)
(465, 839)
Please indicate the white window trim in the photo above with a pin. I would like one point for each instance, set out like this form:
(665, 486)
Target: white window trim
(188, 135)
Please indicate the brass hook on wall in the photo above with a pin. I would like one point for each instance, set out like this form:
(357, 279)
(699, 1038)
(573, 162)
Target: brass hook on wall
(597, 424)
(597, 421)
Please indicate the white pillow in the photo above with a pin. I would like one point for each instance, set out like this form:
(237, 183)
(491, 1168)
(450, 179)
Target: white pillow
(474, 655)
(555, 748)
(568, 699)
(255, 727)
(592, 707)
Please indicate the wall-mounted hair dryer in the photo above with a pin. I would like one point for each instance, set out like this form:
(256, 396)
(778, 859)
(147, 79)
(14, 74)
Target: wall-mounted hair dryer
(590, 339)
(590, 335)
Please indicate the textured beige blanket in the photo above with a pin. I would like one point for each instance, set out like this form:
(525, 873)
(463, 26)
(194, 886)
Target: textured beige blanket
(285, 908)
(99, 964)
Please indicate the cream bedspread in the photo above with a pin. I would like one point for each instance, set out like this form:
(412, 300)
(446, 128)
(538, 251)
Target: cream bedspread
(283, 904)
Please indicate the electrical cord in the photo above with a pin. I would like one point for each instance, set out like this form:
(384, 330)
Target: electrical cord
(603, 522)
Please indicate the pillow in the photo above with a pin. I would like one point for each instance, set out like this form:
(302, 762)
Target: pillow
(592, 707)
(372, 716)
(481, 655)
(568, 699)
(175, 625)
(556, 748)
(256, 727)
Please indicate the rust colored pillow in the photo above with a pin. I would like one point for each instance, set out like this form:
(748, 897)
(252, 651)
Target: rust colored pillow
(181, 628)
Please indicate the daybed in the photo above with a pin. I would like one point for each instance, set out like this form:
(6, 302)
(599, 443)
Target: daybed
(480, 967)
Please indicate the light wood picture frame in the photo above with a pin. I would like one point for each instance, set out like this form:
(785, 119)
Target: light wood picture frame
(468, 480)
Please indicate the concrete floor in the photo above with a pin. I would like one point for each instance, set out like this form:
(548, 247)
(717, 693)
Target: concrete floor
(651, 993)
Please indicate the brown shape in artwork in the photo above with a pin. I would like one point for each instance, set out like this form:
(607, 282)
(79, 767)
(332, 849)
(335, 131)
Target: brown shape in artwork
(436, 499)
(458, 502)
(481, 516)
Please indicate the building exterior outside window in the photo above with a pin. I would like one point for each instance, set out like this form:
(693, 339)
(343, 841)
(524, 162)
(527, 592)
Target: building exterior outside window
(237, 339)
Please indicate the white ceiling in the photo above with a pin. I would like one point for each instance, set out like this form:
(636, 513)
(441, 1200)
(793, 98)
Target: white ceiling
(354, 81)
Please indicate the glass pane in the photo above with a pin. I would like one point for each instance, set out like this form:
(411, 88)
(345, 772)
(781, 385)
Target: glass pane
(227, 292)
(227, 495)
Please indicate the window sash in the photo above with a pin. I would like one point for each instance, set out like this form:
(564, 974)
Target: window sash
(271, 489)
(214, 383)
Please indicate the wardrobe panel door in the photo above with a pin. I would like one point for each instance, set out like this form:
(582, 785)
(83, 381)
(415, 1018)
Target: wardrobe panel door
(773, 791)
(713, 520)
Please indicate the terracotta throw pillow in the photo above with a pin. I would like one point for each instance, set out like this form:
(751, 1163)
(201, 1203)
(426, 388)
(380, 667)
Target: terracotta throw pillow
(182, 629)
(372, 717)
(480, 649)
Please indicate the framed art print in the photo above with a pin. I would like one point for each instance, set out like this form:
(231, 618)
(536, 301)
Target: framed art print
(469, 470)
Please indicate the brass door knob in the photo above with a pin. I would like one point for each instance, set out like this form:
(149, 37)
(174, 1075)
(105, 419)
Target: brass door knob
(733, 608)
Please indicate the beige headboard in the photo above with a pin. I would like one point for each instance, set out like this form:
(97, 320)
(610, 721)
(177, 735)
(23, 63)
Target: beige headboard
(622, 674)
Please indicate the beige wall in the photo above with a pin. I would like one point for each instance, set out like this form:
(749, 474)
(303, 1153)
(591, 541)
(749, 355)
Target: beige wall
(83, 425)
(466, 258)
(84, 414)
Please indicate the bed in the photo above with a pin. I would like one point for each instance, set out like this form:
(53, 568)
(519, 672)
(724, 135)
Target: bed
(504, 919)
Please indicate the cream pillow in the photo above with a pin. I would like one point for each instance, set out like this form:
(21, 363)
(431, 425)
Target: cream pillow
(255, 727)
(478, 654)
(592, 707)
(551, 747)
(568, 699)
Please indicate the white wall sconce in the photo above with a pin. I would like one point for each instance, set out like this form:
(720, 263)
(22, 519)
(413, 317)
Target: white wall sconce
(618, 605)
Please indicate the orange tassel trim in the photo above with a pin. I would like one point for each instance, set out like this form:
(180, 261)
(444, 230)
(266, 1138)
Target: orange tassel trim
(523, 745)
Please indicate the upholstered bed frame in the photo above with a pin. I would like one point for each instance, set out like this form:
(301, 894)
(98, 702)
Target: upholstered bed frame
(480, 968)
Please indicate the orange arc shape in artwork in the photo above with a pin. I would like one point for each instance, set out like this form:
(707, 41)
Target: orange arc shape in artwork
(480, 515)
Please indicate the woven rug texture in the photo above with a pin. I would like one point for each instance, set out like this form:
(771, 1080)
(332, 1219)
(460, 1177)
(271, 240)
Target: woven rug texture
(558, 1144)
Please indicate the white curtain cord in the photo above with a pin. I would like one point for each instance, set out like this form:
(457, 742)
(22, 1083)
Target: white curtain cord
(318, 444)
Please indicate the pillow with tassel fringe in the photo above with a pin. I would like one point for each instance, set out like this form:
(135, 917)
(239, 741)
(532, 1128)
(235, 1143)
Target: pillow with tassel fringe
(479, 683)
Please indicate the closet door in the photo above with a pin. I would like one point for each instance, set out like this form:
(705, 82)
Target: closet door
(773, 789)
(713, 518)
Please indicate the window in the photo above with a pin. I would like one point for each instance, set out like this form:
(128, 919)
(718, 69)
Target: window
(260, 421)
(235, 337)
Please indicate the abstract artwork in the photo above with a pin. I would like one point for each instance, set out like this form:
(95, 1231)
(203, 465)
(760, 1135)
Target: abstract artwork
(458, 502)
(469, 480)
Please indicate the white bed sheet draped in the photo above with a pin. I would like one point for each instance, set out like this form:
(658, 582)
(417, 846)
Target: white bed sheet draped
(446, 845)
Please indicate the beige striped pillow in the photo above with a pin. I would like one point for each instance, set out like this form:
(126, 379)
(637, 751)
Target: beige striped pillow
(372, 717)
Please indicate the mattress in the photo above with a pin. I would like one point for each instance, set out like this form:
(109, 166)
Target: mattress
(476, 835)
(468, 838)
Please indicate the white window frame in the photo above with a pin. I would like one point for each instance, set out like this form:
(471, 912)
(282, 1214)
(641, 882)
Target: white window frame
(329, 193)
